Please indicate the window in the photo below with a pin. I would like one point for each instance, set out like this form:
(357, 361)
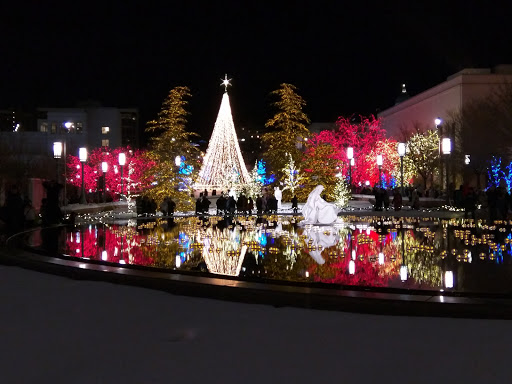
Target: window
(79, 127)
(104, 142)
(105, 130)
(43, 127)
(54, 128)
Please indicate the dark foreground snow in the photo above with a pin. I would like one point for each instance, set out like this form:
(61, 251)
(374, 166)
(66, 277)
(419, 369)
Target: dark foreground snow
(58, 330)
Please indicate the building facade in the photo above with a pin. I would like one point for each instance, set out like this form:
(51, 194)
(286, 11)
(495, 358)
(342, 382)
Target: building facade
(440, 101)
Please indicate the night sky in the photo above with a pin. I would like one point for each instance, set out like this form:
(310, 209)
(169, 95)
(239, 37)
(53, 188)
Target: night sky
(344, 58)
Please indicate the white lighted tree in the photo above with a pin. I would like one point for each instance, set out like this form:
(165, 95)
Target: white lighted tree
(341, 193)
(292, 177)
(223, 160)
(255, 184)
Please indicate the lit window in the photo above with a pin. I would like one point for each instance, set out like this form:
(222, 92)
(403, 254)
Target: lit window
(54, 128)
(44, 127)
(105, 130)
(104, 142)
(79, 127)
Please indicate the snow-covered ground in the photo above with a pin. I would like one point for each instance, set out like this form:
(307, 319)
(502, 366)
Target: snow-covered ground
(58, 330)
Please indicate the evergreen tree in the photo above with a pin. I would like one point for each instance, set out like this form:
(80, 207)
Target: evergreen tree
(173, 140)
(288, 126)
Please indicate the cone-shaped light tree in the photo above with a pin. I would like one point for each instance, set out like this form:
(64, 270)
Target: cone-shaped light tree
(223, 165)
(288, 128)
(172, 141)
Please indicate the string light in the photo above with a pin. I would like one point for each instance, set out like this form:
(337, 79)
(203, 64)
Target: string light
(223, 163)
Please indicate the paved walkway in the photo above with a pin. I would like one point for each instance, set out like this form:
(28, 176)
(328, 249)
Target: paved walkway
(59, 330)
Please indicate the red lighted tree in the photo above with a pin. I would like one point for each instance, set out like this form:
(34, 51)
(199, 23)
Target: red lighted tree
(367, 138)
(134, 170)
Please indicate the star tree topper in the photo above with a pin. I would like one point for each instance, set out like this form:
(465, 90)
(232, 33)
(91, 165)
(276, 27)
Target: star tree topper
(226, 82)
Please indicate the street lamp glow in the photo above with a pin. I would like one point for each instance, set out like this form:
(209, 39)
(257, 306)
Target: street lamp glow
(68, 124)
(82, 154)
(438, 121)
(177, 161)
(446, 146)
(448, 279)
(403, 272)
(122, 159)
(57, 149)
(104, 166)
(351, 267)
(401, 149)
(350, 153)
(379, 160)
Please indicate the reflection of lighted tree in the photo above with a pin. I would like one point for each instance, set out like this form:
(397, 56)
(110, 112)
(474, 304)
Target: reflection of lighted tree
(423, 267)
(270, 249)
(119, 242)
(223, 251)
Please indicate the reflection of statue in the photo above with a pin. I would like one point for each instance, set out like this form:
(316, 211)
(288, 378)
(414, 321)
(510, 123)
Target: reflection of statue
(317, 210)
(278, 195)
(325, 239)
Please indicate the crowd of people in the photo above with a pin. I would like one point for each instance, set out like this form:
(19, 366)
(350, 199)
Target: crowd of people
(229, 204)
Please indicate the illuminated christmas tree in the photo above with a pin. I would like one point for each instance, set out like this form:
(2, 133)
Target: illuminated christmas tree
(341, 193)
(223, 163)
(292, 178)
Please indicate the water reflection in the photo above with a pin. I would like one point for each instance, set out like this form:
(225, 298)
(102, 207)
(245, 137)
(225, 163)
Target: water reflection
(374, 252)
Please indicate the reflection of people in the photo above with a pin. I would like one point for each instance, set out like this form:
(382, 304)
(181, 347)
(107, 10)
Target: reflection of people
(278, 195)
(317, 210)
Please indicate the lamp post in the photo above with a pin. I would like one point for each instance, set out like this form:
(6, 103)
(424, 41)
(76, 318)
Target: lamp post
(379, 163)
(401, 153)
(446, 149)
(350, 157)
(122, 162)
(439, 127)
(82, 155)
(104, 169)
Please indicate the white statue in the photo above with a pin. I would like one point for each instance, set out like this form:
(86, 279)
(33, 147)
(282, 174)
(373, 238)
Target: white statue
(317, 210)
(278, 195)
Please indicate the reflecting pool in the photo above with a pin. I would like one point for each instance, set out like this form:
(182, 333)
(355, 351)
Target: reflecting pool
(407, 253)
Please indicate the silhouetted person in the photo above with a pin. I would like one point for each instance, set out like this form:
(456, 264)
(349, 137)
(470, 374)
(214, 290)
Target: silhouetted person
(295, 204)
(397, 200)
(171, 206)
(259, 204)
(205, 204)
(250, 205)
(14, 209)
(198, 206)
(52, 211)
(221, 204)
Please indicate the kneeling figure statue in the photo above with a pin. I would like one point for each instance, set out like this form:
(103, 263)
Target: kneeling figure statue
(317, 210)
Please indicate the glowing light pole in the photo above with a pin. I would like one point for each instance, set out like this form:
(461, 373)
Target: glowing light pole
(104, 169)
(446, 148)
(82, 155)
(350, 157)
(379, 163)
(401, 153)
(122, 162)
